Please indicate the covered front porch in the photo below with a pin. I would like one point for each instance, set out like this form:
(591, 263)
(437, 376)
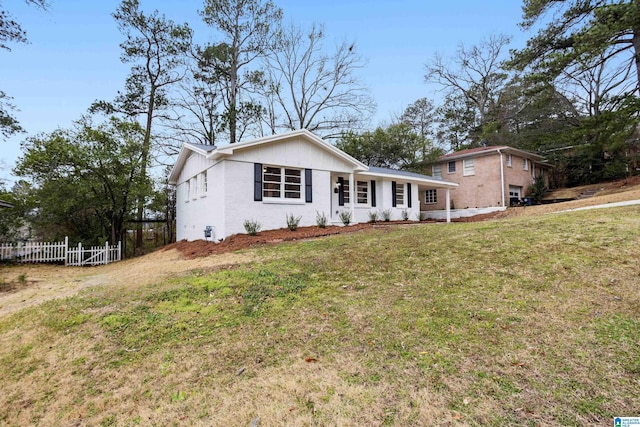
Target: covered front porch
(383, 194)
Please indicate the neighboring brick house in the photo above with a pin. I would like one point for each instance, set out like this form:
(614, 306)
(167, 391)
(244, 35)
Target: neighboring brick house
(489, 178)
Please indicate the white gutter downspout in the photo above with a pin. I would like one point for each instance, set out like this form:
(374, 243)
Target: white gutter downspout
(448, 204)
(502, 177)
(352, 197)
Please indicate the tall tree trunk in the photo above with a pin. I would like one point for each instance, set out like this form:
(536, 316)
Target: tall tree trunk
(636, 42)
(636, 50)
(146, 146)
(233, 99)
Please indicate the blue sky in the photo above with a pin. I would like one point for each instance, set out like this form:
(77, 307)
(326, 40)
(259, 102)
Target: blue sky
(73, 57)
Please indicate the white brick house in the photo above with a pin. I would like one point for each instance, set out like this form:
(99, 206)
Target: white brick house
(294, 173)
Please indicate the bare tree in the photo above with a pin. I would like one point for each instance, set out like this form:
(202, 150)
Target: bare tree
(475, 73)
(598, 84)
(313, 89)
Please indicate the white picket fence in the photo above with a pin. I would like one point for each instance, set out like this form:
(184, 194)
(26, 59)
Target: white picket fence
(33, 252)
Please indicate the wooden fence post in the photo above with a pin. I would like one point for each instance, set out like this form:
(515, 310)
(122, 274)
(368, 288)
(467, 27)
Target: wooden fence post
(66, 250)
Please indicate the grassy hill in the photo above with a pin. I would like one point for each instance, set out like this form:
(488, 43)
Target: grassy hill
(522, 321)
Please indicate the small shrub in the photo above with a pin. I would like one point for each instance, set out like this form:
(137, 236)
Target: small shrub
(422, 216)
(386, 215)
(373, 216)
(251, 226)
(293, 221)
(537, 190)
(321, 219)
(405, 215)
(345, 217)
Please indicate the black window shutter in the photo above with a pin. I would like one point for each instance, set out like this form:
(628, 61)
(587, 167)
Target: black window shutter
(307, 186)
(257, 182)
(393, 194)
(373, 194)
(408, 194)
(340, 191)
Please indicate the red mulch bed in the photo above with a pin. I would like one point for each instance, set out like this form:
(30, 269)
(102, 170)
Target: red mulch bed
(201, 248)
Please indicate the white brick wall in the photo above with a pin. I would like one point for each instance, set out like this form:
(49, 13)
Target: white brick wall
(241, 206)
(229, 199)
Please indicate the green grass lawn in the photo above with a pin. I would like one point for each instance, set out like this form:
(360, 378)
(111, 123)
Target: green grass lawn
(529, 321)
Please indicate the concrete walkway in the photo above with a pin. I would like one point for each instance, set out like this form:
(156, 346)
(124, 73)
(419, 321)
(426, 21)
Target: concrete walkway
(607, 205)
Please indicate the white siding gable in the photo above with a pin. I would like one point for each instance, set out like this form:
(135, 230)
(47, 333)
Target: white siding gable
(297, 153)
(195, 164)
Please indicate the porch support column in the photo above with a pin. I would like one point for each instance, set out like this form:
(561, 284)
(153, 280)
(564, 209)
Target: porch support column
(448, 204)
(352, 197)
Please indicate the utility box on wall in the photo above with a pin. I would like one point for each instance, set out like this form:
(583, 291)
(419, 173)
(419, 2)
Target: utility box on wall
(208, 231)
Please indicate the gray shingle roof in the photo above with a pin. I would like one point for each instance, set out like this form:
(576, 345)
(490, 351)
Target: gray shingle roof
(400, 173)
(203, 147)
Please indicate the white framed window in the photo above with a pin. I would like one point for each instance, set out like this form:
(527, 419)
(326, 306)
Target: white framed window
(281, 183)
(399, 195)
(188, 185)
(194, 190)
(452, 167)
(362, 192)
(430, 197)
(346, 192)
(525, 164)
(468, 167)
(436, 171)
(203, 184)
(508, 160)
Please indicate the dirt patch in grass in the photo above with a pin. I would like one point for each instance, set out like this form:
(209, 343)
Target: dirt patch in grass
(15, 285)
(46, 282)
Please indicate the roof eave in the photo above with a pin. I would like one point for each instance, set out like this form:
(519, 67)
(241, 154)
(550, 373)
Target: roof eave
(229, 150)
(490, 151)
(183, 155)
(434, 182)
